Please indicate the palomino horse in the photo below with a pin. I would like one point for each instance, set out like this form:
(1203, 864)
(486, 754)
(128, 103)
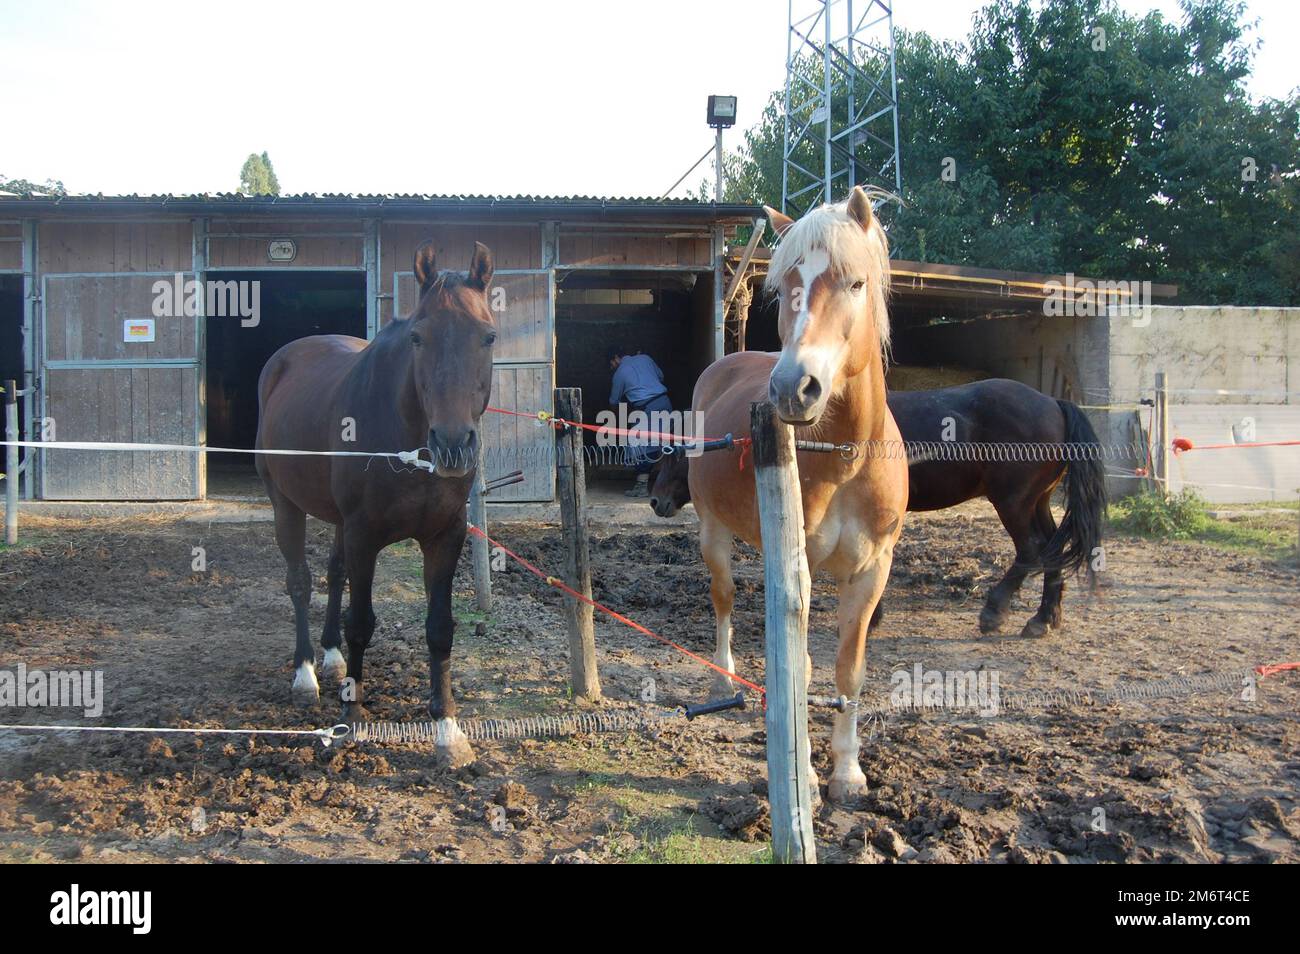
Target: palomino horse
(831, 269)
(423, 380)
(992, 411)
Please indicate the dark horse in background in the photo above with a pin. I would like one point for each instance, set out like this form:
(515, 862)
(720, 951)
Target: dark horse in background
(422, 381)
(990, 411)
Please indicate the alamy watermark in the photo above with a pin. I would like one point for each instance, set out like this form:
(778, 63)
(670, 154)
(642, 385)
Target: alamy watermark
(23, 688)
(642, 429)
(133, 909)
(1084, 298)
(922, 688)
(182, 297)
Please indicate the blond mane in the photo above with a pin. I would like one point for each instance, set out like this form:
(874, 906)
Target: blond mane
(854, 251)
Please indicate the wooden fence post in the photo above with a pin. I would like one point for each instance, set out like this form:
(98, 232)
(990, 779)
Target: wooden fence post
(479, 544)
(1164, 447)
(786, 586)
(571, 485)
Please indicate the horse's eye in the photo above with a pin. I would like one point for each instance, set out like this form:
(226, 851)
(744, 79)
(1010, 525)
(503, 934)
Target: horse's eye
(858, 286)
(415, 339)
(490, 339)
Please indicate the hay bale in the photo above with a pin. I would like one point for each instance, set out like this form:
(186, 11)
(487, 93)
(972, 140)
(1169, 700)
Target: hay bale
(906, 377)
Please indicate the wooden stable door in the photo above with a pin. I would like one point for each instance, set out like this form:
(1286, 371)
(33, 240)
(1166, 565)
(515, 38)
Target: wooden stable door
(114, 371)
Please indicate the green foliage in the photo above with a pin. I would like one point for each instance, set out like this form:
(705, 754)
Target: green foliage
(1124, 162)
(25, 187)
(1179, 516)
(1263, 530)
(257, 177)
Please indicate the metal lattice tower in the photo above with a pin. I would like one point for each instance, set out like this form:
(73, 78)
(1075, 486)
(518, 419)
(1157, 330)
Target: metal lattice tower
(841, 102)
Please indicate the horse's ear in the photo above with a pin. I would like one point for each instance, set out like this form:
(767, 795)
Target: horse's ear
(860, 208)
(426, 268)
(778, 220)
(481, 268)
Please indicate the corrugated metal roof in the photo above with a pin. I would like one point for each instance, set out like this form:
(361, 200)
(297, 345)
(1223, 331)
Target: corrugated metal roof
(370, 203)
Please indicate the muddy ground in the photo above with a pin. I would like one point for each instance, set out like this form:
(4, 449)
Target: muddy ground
(1206, 777)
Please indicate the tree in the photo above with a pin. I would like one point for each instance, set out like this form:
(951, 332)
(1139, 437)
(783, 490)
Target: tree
(1087, 140)
(24, 187)
(257, 177)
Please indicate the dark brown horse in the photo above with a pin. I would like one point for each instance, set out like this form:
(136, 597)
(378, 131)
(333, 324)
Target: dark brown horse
(422, 381)
(1021, 492)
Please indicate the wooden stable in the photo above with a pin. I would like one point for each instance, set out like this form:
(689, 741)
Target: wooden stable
(88, 266)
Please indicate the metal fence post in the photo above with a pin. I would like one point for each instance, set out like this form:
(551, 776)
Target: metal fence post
(1164, 447)
(11, 463)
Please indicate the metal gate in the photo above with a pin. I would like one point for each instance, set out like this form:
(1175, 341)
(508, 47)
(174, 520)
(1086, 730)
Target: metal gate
(114, 371)
(523, 378)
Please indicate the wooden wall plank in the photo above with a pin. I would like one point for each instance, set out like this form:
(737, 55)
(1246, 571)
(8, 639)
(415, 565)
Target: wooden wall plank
(594, 247)
(11, 250)
(108, 247)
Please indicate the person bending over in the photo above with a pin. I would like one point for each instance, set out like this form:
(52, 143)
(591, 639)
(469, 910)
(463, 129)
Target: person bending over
(639, 383)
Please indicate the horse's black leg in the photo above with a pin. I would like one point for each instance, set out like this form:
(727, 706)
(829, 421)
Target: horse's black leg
(1018, 521)
(359, 621)
(440, 557)
(1049, 610)
(334, 664)
(876, 616)
(291, 536)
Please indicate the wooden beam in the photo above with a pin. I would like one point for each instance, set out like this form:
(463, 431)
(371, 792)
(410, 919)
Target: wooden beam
(759, 226)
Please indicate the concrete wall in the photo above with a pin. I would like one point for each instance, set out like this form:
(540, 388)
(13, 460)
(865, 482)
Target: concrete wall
(1112, 361)
(1236, 475)
(1252, 354)
(1203, 348)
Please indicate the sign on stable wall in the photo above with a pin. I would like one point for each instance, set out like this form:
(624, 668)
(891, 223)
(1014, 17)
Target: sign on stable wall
(137, 329)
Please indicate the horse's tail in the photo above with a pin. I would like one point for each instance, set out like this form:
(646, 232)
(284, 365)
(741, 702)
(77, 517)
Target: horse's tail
(1076, 540)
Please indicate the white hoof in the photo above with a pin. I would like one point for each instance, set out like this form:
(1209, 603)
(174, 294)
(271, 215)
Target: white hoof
(333, 666)
(306, 690)
(846, 786)
(453, 748)
(722, 687)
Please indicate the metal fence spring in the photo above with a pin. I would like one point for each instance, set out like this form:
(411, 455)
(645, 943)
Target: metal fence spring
(917, 452)
(542, 456)
(532, 727)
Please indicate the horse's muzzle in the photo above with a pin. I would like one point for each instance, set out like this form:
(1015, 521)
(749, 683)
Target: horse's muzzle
(798, 396)
(454, 450)
(664, 505)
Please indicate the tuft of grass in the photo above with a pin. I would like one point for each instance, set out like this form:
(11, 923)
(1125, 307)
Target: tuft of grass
(467, 613)
(1269, 531)
(672, 839)
(1178, 516)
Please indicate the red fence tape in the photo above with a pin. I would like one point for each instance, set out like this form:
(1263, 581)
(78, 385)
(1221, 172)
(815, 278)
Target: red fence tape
(561, 585)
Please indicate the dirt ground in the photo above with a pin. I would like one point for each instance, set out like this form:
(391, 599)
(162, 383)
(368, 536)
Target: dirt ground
(1205, 777)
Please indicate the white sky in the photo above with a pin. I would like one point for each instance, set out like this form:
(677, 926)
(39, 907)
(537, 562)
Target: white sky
(477, 96)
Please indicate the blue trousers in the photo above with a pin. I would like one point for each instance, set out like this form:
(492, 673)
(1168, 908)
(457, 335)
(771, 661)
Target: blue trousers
(643, 455)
